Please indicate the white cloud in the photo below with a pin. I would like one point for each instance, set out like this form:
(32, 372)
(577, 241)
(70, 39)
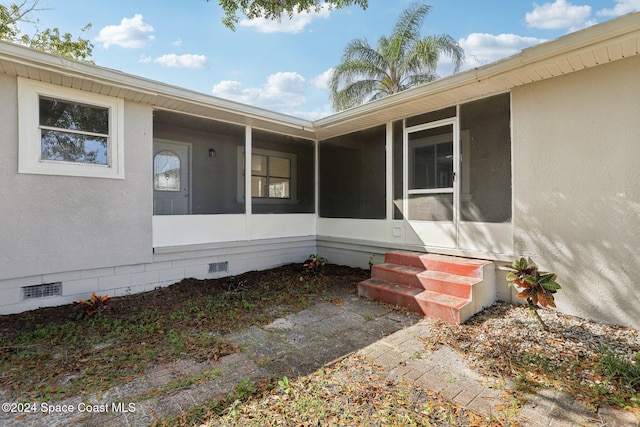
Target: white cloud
(282, 92)
(145, 59)
(559, 15)
(481, 49)
(294, 25)
(323, 80)
(182, 61)
(312, 115)
(177, 42)
(132, 33)
(622, 7)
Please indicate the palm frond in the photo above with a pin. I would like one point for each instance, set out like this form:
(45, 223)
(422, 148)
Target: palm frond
(407, 29)
(448, 46)
(400, 61)
(418, 79)
(360, 51)
(354, 94)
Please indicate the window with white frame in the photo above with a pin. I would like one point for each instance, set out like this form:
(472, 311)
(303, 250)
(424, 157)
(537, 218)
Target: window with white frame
(65, 131)
(273, 177)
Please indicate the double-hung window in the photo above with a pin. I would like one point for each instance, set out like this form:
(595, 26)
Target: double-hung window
(272, 176)
(69, 132)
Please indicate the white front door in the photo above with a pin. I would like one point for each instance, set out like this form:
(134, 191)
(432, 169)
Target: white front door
(171, 186)
(430, 186)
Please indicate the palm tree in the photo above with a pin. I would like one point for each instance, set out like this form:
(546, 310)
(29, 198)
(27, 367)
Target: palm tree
(401, 61)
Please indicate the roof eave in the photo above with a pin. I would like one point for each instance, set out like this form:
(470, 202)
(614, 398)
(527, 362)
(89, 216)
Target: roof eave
(154, 91)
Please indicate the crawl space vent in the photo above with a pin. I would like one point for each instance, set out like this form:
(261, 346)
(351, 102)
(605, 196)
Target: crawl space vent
(217, 267)
(42, 291)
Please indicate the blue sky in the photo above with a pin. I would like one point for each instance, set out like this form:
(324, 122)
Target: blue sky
(284, 66)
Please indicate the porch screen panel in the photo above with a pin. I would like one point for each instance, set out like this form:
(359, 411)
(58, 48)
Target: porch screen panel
(485, 144)
(397, 169)
(430, 207)
(214, 159)
(285, 182)
(352, 175)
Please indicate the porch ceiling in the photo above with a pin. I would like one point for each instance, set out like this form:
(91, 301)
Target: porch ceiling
(600, 44)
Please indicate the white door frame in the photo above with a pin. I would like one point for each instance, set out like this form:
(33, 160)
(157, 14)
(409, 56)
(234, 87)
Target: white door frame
(432, 233)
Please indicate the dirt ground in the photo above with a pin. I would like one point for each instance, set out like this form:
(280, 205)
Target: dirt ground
(165, 300)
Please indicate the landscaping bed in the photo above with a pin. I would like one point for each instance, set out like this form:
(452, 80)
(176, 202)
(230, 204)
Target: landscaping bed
(57, 352)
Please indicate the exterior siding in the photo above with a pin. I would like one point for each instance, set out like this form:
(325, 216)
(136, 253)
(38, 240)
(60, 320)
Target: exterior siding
(57, 224)
(576, 158)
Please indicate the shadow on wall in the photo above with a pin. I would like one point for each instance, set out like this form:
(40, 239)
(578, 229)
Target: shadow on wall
(593, 247)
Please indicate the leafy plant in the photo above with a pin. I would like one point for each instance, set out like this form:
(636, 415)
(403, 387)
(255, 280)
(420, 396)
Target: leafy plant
(95, 304)
(175, 341)
(285, 385)
(314, 265)
(245, 389)
(537, 286)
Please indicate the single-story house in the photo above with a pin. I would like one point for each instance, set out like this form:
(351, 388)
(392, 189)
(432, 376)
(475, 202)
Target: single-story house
(116, 184)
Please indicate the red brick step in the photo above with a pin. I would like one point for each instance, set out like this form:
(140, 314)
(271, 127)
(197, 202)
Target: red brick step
(426, 303)
(440, 286)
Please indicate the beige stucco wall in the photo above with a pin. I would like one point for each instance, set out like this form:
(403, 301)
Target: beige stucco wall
(58, 223)
(576, 172)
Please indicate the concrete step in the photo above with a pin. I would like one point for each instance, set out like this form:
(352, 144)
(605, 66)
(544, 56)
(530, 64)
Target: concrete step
(427, 303)
(440, 286)
(455, 265)
(396, 273)
(405, 258)
(391, 293)
(451, 264)
(449, 284)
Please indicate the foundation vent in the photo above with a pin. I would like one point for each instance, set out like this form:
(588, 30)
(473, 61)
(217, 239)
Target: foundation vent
(218, 267)
(42, 291)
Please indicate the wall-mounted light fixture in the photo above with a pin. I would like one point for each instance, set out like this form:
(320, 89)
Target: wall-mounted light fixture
(212, 152)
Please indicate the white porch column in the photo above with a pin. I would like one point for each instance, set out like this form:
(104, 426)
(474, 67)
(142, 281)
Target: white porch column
(247, 179)
(389, 182)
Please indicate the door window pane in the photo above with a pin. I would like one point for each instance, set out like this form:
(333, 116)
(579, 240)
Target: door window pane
(431, 159)
(166, 171)
(423, 166)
